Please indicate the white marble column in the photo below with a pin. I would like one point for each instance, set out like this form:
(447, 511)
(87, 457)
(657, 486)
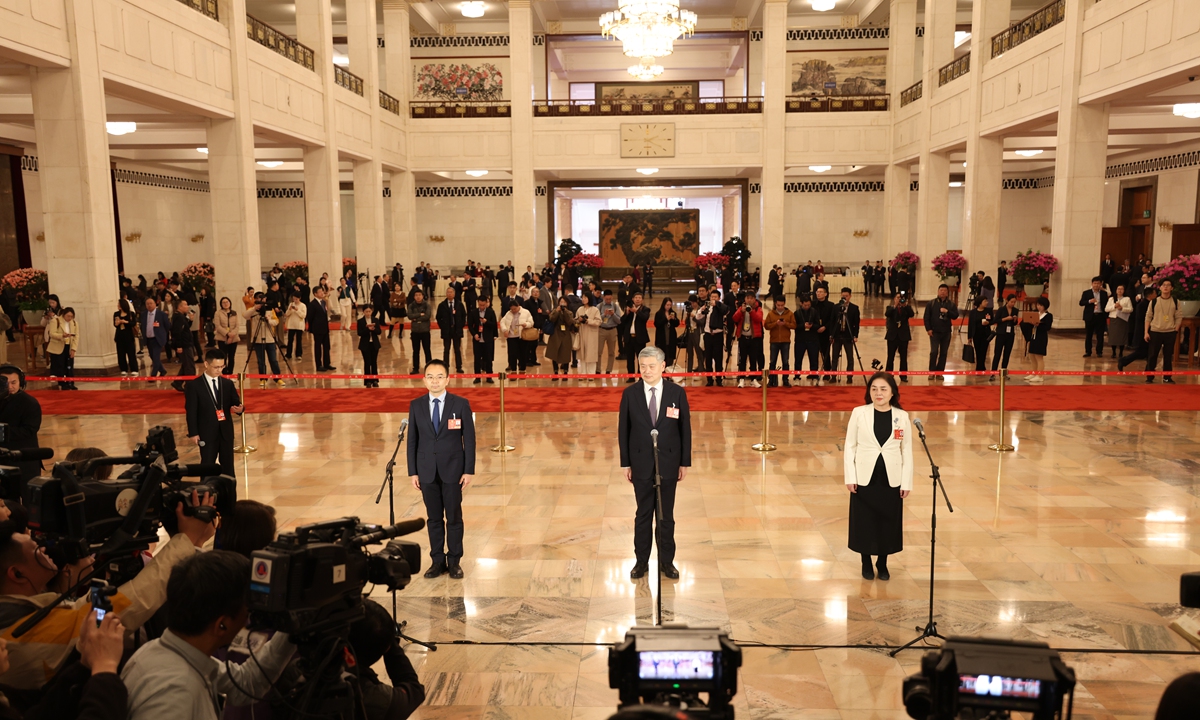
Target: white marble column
(731, 218)
(72, 145)
(901, 72)
(233, 187)
(564, 218)
(1081, 154)
(404, 220)
(985, 155)
(322, 189)
(775, 79)
(520, 48)
(933, 200)
(361, 34)
(396, 41)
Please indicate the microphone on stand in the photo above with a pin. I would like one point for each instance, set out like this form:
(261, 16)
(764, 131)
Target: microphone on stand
(403, 428)
(654, 437)
(919, 426)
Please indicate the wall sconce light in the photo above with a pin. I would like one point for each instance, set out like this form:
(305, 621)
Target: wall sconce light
(1045, 230)
(133, 237)
(197, 238)
(437, 238)
(41, 237)
(1166, 226)
(861, 233)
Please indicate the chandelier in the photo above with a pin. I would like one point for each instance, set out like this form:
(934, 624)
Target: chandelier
(647, 30)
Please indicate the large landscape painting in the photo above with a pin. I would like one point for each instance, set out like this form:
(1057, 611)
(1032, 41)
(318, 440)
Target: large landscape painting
(839, 72)
(464, 79)
(647, 91)
(661, 237)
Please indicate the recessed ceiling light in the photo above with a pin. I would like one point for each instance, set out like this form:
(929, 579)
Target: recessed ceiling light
(822, 5)
(120, 128)
(1029, 153)
(964, 163)
(471, 9)
(341, 60)
(202, 150)
(1187, 110)
(270, 163)
(820, 168)
(647, 171)
(477, 173)
(956, 184)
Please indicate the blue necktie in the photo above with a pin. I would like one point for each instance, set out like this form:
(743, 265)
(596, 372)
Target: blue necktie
(437, 418)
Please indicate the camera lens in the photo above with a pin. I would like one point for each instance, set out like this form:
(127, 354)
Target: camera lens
(918, 699)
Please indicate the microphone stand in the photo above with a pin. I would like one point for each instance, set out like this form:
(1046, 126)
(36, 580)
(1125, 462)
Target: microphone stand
(389, 484)
(930, 629)
(658, 519)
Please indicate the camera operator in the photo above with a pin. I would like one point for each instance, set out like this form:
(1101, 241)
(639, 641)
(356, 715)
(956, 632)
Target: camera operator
(22, 413)
(845, 333)
(176, 676)
(826, 319)
(711, 320)
(262, 339)
(26, 572)
(374, 637)
(897, 333)
(939, 318)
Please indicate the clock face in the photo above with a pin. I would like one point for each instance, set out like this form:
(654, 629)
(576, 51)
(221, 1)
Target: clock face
(646, 140)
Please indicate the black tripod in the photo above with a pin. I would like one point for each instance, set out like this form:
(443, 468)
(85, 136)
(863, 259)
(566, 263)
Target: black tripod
(930, 629)
(389, 485)
(262, 332)
(843, 326)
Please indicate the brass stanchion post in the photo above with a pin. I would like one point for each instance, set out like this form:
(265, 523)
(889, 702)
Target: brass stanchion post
(1000, 445)
(245, 447)
(764, 446)
(503, 447)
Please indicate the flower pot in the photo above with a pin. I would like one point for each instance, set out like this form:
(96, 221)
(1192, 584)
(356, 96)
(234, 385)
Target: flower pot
(1189, 308)
(1034, 291)
(33, 318)
(951, 280)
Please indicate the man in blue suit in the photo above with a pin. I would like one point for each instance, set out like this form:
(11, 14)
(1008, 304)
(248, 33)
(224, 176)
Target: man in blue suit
(441, 463)
(155, 331)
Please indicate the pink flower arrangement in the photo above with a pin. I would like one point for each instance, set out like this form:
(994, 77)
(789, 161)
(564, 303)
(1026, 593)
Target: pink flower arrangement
(906, 261)
(949, 264)
(31, 286)
(711, 261)
(465, 82)
(1033, 268)
(586, 260)
(349, 263)
(1184, 274)
(293, 270)
(199, 275)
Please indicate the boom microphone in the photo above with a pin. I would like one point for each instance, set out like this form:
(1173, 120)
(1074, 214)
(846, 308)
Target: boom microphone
(401, 528)
(27, 454)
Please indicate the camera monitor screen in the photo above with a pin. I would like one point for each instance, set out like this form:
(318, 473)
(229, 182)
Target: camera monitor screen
(999, 686)
(676, 665)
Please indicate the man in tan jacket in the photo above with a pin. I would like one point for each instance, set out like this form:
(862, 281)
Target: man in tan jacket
(1163, 319)
(780, 322)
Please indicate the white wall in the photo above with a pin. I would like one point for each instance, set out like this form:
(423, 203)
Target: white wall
(479, 228)
(821, 226)
(33, 209)
(349, 229)
(1023, 214)
(282, 232)
(167, 220)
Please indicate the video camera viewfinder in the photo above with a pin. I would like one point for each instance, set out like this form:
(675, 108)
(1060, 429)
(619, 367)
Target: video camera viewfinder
(669, 666)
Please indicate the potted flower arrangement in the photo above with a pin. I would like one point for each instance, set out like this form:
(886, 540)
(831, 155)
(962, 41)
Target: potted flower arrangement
(711, 261)
(198, 276)
(1032, 269)
(949, 266)
(348, 263)
(1184, 274)
(907, 261)
(31, 287)
(291, 271)
(586, 264)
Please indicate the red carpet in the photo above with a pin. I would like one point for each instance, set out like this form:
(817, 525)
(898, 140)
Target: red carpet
(607, 399)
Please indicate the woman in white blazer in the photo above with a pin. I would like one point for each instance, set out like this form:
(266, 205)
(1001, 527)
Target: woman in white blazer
(879, 474)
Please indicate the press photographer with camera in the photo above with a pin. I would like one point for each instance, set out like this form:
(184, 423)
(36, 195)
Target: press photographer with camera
(21, 414)
(26, 572)
(897, 334)
(939, 318)
(175, 676)
(374, 638)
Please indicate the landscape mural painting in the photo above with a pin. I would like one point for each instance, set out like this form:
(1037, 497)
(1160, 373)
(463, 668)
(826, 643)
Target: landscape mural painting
(648, 91)
(660, 237)
(459, 79)
(839, 72)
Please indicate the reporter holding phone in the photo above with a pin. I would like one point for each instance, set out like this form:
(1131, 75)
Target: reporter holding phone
(64, 339)
(368, 344)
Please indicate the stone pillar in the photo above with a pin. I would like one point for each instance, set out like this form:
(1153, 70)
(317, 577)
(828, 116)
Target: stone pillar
(361, 30)
(1081, 154)
(985, 155)
(775, 79)
(933, 200)
(232, 183)
(368, 217)
(901, 71)
(403, 199)
(731, 218)
(322, 188)
(69, 115)
(564, 219)
(404, 221)
(896, 198)
(520, 48)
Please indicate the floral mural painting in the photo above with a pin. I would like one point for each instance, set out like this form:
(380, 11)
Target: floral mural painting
(466, 80)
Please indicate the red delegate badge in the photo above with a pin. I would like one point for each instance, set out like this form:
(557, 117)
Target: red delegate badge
(899, 434)
(673, 413)
(455, 424)
(220, 415)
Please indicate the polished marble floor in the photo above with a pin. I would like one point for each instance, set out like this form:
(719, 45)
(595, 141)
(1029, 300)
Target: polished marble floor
(1077, 538)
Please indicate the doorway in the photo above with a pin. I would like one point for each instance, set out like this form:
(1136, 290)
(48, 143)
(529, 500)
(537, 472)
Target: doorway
(1134, 234)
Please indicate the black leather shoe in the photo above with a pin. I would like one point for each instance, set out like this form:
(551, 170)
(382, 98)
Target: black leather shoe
(670, 571)
(882, 572)
(435, 570)
(638, 572)
(456, 572)
(868, 572)
(330, 367)
(1167, 380)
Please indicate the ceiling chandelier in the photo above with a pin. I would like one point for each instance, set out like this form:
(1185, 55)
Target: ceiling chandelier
(647, 30)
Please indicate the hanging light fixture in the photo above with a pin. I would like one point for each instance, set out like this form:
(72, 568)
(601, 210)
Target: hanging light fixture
(647, 69)
(1029, 153)
(120, 128)
(1190, 111)
(471, 9)
(647, 30)
(822, 5)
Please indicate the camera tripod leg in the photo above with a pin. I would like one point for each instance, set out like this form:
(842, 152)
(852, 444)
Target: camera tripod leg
(928, 631)
(430, 646)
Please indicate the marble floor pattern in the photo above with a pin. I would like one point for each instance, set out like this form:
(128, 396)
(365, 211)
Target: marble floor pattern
(1078, 538)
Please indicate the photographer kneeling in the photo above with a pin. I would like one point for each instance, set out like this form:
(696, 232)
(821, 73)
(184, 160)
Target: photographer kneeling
(25, 573)
(176, 676)
(374, 637)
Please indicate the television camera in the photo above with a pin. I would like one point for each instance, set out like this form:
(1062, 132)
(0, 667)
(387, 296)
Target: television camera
(669, 666)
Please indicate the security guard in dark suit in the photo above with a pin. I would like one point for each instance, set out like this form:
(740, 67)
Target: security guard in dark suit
(211, 402)
(441, 463)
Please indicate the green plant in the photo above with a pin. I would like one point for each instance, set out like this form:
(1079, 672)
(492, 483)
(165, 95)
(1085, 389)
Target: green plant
(567, 249)
(737, 252)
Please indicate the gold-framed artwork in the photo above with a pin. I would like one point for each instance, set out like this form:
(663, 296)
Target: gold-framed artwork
(613, 91)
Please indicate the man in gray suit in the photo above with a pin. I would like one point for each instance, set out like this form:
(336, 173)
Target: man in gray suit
(441, 463)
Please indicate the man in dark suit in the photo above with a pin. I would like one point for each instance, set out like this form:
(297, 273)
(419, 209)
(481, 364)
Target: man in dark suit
(451, 319)
(846, 320)
(711, 323)
(441, 463)
(318, 325)
(653, 404)
(484, 329)
(181, 340)
(22, 413)
(633, 329)
(379, 298)
(824, 310)
(1095, 319)
(211, 401)
(154, 329)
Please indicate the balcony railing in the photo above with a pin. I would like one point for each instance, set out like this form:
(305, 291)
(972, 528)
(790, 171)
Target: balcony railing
(267, 36)
(837, 104)
(912, 94)
(954, 70)
(706, 106)
(208, 7)
(389, 103)
(1035, 24)
(426, 109)
(348, 80)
